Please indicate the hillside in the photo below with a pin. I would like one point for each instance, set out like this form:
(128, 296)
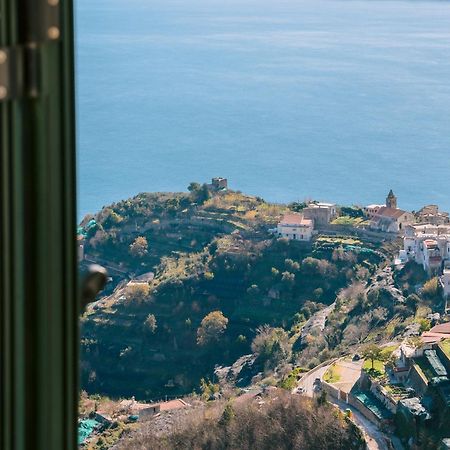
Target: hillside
(295, 422)
(213, 252)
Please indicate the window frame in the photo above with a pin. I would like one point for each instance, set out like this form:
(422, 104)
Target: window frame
(39, 302)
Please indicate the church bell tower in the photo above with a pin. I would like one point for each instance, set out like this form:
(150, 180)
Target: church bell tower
(391, 200)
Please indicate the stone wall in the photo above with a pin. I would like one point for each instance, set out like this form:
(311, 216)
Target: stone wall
(443, 357)
(366, 412)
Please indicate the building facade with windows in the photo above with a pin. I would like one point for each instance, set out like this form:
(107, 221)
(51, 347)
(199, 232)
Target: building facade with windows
(295, 226)
(429, 246)
(320, 213)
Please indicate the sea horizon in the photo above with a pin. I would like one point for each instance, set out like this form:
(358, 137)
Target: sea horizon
(330, 100)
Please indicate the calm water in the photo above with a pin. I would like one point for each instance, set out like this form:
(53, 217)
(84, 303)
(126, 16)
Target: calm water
(334, 100)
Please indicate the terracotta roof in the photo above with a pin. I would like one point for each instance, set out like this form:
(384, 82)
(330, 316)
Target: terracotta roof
(390, 212)
(170, 405)
(430, 243)
(295, 219)
(443, 328)
(431, 338)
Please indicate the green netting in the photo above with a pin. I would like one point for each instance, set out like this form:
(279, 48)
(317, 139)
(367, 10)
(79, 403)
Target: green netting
(435, 363)
(85, 429)
(372, 403)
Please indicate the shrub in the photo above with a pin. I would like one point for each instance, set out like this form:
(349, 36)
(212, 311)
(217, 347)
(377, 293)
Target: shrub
(150, 323)
(431, 289)
(271, 346)
(139, 248)
(137, 292)
(211, 328)
(282, 422)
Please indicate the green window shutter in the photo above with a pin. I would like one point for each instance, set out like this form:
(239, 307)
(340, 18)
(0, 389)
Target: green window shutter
(38, 270)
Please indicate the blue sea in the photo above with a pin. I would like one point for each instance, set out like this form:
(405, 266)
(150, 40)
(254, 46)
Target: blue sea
(326, 99)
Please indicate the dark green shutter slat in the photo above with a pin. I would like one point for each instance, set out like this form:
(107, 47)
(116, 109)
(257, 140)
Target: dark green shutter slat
(38, 276)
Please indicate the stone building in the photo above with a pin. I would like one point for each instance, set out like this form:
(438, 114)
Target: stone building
(390, 218)
(321, 213)
(219, 183)
(391, 200)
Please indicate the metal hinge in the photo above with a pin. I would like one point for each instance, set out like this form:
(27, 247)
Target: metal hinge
(11, 73)
(20, 64)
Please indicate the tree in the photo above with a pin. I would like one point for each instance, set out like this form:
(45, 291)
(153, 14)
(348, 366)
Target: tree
(297, 206)
(415, 341)
(110, 218)
(292, 265)
(204, 194)
(139, 248)
(208, 389)
(199, 193)
(318, 293)
(431, 289)
(228, 415)
(425, 325)
(137, 292)
(373, 352)
(271, 345)
(194, 187)
(412, 301)
(211, 328)
(288, 278)
(150, 323)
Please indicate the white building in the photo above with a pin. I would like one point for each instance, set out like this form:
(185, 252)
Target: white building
(321, 213)
(445, 282)
(428, 245)
(295, 226)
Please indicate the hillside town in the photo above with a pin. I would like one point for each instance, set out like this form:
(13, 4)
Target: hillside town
(391, 379)
(425, 233)
(412, 383)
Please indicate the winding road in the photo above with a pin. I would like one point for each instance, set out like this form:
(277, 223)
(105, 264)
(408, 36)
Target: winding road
(375, 439)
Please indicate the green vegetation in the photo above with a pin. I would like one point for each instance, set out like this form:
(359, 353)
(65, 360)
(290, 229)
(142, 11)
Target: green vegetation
(211, 328)
(432, 289)
(290, 381)
(150, 324)
(215, 255)
(332, 375)
(208, 389)
(374, 368)
(347, 220)
(337, 240)
(139, 248)
(445, 345)
(410, 276)
(137, 292)
(374, 360)
(271, 346)
(109, 437)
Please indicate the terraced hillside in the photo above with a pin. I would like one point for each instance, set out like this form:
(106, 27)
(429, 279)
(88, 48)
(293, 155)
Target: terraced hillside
(208, 254)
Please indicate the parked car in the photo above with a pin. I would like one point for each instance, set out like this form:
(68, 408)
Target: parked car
(356, 357)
